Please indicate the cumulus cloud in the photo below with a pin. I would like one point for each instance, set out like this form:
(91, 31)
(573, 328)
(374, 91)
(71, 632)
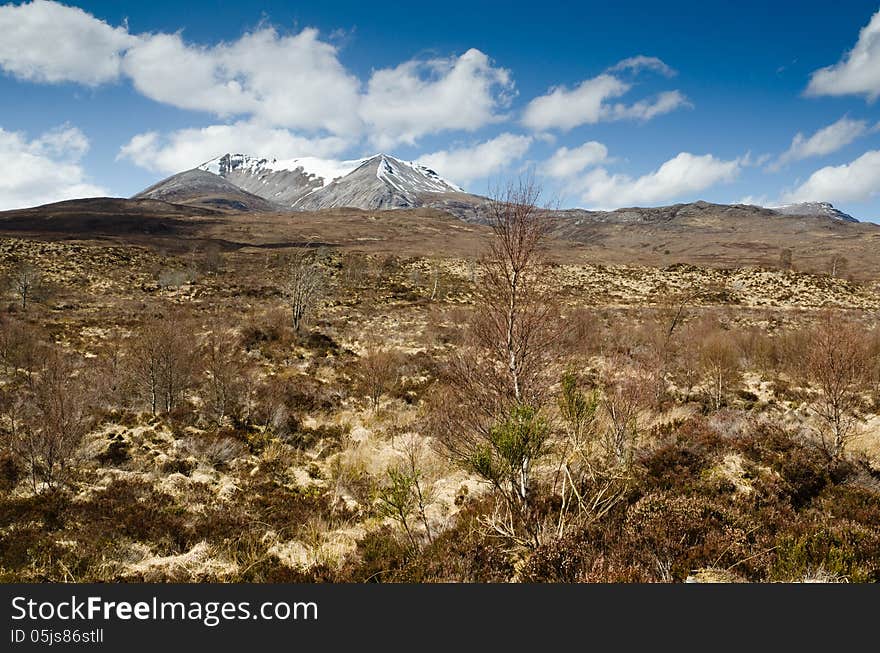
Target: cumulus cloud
(48, 42)
(858, 72)
(678, 177)
(825, 141)
(45, 169)
(466, 164)
(422, 97)
(854, 181)
(292, 81)
(588, 102)
(641, 62)
(565, 108)
(187, 148)
(567, 162)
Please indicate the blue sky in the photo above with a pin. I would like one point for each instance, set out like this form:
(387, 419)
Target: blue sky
(610, 105)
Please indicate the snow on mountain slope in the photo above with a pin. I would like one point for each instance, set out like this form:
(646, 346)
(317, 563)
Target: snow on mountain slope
(380, 181)
(408, 177)
(816, 209)
(325, 170)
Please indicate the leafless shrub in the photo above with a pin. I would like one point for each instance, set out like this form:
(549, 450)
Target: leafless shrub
(21, 347)
(759, 350)
(161, 359)
(581, 333)
(378, 373)
(52, 420)
(27, 282)
(266, 409)
(113, 383)
(785, 258)
(212, 257)
(665, 340)
(626, 393)
(303, 285)
(838, 265)
(355, 270)
(224, 384)
(720, 365)
(837, 363)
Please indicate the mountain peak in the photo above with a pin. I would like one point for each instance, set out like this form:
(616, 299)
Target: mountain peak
(377, 181)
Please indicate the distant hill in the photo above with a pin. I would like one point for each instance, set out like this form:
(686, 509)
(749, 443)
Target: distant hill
(700, 233)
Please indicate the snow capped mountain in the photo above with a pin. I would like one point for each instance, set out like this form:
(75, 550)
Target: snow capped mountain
(309, 183)
(814, 209)
(380, 181)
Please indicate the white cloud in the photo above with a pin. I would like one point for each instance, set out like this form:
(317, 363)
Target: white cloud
(45, 169)
(647, 109)
(825, 141)
(567, 162)
(641, 62)
(467, 164)
(422, 97)
(854, 181)
(588, 102)
(187, 148)
(295, 81)
(565, 109)
(65, 142)
(748, 160)
(858, 72)
(292, 81)
(678, 177)
(47, 42)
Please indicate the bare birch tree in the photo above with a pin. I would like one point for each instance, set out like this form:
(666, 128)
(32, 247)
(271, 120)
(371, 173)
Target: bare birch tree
(161, 361)
(304, 283)
(27, 282)
(490, 422)
(837, 364)
(50, 425)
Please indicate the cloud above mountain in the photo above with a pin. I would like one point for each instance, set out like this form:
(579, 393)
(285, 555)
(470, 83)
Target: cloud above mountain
(43, 169)
(297, 82)
(858, 72)
(857, 180)
(416, 98)
(47, 42)
(568, 162)
(824, 141)
(294, 81)
(186, 148)
(465, 164)
(590, 101)
(282, 81)
(680, 176)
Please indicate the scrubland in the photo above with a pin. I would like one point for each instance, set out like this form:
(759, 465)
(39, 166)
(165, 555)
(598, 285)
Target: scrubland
(168, 417)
